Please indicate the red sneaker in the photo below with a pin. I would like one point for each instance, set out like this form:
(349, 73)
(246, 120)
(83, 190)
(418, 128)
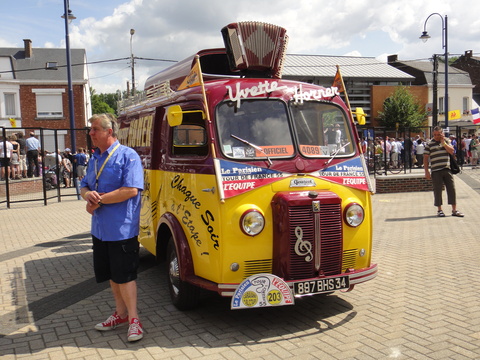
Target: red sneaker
(112, 322)
(135, 330)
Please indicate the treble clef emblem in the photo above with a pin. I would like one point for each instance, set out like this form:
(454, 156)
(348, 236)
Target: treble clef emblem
(303, 248)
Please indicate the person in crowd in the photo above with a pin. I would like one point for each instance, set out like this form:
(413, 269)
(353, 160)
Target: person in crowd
(408, 145)
(112, 188)
(420, 149)
(338, 136)
(68, 153)
(81, 163)
(474, 149)
(33, 151)
(67, 170)
(461, 152)
(453, 142)
(14, 161)
(468, 154)
(6, 149)
(22, 166)
(395, 152)
(437, 154)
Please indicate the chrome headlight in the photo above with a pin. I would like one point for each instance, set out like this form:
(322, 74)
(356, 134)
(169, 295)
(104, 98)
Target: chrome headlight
(252, 222)
(354, 214)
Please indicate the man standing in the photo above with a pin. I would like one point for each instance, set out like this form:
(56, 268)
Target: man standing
(338, 136)
(112, 188)
(6, 149)
(23, 154)
(437, 152)
(33, 147)
(81, 163)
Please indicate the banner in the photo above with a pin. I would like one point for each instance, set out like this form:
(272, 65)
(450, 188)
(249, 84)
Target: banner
(194, 78)
(237, 178)
(338, 81)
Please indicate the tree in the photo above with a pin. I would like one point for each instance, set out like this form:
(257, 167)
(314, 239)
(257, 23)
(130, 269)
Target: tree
(402, 110)
(103, 103)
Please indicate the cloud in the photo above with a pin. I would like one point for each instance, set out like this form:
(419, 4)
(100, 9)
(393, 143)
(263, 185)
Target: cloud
(170, 30)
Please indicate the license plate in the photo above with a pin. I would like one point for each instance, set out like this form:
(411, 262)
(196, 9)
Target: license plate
(321, 285)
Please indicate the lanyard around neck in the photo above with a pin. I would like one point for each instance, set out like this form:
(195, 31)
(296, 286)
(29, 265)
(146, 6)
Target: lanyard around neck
(98, 173)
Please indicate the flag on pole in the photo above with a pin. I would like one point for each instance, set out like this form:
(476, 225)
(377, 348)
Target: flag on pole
(454, 114)
(475, 116)
(194, 78)
(338, 81)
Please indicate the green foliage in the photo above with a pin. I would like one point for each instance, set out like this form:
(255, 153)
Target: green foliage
(103, 103)
(402, 110)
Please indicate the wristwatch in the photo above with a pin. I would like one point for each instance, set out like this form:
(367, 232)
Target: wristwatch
(99, 203)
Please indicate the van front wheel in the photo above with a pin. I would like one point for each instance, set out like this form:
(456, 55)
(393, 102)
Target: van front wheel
(184, 295)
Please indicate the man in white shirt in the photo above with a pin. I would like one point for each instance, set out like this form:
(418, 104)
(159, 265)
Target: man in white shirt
(6, 149)
(33, 147)
(394, 152)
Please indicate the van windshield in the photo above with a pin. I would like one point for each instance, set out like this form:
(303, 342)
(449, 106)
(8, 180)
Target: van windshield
(261, 129)
(322, 129)
(257, 129)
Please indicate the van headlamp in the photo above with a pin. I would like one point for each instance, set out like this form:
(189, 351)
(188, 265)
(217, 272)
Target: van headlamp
(354, 214)
(252, 222)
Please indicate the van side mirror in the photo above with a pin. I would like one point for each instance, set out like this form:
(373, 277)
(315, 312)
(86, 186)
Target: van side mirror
(174, 115)
(360, 116)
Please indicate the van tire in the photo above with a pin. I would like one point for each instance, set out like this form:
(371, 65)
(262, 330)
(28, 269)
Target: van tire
(184, 296)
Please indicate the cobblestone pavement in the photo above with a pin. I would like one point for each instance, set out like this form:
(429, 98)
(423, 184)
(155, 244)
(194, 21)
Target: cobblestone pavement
(422, 305)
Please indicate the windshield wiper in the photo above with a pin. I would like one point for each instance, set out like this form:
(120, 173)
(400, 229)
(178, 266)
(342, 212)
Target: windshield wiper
(256, 147)
(334, 154)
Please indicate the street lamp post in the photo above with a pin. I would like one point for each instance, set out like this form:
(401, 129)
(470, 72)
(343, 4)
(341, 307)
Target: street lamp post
(68, 16)
(424, 38)
(132, 31)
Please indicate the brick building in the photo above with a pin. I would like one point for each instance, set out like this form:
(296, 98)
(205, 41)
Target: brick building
(34, 91)
(459, 88)
(471, 64)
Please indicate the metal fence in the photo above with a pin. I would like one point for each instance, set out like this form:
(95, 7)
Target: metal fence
(47, 182)
(384, 164)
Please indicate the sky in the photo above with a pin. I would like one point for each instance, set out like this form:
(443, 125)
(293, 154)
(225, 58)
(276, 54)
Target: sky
(169, 31)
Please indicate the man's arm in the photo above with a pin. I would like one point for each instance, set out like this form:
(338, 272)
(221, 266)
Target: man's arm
(426, 163)
(119, 195)
(449, 148)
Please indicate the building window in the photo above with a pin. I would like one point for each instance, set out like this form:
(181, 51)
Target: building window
(10, 106)
(49, 103)
(466, 106)
(441, 105)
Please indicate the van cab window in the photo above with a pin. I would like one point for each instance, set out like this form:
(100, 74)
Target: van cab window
(256, 129)
(190, 138)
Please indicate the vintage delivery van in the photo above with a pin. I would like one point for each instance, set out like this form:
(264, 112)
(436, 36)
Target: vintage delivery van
(255, 187)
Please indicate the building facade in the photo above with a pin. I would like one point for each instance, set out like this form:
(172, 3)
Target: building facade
(460, 95)
(34, 92)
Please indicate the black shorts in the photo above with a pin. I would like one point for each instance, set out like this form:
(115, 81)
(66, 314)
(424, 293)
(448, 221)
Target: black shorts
(5, 162)
(115, 260)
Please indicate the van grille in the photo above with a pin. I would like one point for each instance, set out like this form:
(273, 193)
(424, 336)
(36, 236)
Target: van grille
(307, 243)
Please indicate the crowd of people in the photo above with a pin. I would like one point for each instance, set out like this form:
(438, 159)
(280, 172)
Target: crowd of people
(22, 158)
(409, 152)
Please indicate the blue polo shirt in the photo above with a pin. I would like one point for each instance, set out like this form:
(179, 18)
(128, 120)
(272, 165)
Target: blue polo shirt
(81, 159)
(120, 221)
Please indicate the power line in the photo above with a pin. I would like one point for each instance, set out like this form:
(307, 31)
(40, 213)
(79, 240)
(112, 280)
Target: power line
(86, 63)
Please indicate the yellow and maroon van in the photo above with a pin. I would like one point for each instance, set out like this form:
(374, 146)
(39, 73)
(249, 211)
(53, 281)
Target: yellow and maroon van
(255, 187)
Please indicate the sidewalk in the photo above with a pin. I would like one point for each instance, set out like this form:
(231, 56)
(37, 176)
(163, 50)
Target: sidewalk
(422, 305)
